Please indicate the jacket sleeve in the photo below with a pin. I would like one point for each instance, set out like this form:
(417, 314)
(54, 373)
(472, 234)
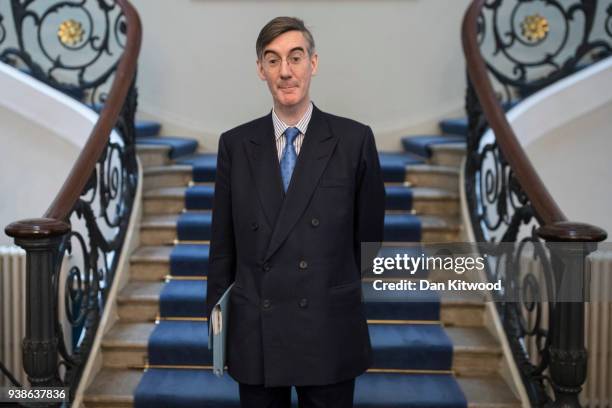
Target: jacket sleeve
(370, 203)
(222, 255)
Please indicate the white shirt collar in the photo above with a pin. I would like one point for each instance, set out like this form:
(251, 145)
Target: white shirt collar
(302, 125)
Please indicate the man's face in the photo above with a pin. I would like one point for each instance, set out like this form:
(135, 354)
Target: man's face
(287, 68)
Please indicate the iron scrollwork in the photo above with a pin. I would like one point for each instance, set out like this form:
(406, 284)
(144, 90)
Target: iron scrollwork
(71, 45)
(75, 46)
(527, 45)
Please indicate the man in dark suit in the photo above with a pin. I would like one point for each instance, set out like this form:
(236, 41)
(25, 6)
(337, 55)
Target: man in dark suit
(296, 193)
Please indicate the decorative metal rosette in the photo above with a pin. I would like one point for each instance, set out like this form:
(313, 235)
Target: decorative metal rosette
(71, 45)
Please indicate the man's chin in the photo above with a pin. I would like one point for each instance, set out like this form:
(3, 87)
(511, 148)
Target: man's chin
(288, 102)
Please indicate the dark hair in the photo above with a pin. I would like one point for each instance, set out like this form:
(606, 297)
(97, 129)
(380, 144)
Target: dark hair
(278, 26)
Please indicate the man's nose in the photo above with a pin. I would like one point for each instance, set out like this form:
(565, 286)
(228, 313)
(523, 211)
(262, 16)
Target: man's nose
(285, 69)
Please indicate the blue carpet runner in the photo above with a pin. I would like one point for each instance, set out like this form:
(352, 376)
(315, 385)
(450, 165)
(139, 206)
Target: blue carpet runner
(421, 145)
(179, 146)
(405, 345)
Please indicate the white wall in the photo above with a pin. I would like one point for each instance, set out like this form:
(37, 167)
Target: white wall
(394, 64)
(566, 130)
(34, 162)
(574, 163)
(42, 131)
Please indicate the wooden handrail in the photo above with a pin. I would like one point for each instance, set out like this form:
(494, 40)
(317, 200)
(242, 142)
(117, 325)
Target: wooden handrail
(81, 171)
(55, 219)
(545, 206)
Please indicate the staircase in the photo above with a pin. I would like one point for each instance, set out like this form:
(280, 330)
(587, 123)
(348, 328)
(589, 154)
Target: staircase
(435, 353)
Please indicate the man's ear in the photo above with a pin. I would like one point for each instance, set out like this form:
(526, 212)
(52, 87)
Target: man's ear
(314, 63)
(260, 70)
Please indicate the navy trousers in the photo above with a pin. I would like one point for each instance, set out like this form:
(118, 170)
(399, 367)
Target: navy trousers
(338, 395)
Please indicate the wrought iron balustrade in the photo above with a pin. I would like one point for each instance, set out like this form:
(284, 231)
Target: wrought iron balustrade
(89, 50)
(514, 48)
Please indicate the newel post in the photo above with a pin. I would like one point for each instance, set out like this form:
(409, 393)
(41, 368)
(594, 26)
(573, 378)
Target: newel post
(570, 243)
(41, 239)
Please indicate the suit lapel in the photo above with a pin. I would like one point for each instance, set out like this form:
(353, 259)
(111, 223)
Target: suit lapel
(314, 154)
(263, 159)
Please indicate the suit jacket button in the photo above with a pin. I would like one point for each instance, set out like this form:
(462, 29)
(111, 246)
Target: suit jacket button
(266, 267)
(303, 303)
(254, 225)
(266, 303)
(303, 265)
(314, 222)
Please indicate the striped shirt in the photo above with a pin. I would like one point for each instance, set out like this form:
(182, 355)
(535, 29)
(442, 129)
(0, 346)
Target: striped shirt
(280, 127)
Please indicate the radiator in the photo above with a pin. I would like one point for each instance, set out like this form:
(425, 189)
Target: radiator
(12, 311)
(597, 390)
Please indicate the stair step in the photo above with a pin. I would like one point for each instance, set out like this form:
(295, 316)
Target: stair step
(418, 175)
(475, 352)
(488, 392)
(147, 128)
(172, 175)
(116, 387)
(430, 175)
(421, 200)
(447, 154)
(421, 145)
(139, 302)
(151, 155)
(112, 388)
(179, 146)
(166, 229)
(125, 345)
(153, 263)
(454, 126)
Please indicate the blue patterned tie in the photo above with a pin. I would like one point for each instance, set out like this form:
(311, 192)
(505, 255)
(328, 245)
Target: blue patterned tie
(289, 156)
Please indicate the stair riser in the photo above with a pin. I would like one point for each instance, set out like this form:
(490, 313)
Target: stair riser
(465, 364)
(175, 179)
(450, 315)
(475, 364)
(447, 181)
(138, 311)
(167, 236)
(157, 236)
(436, 207)
(149, 271)
(124, 357)
(462, 315)
(153, 158)
(447, 158)
(424, 206)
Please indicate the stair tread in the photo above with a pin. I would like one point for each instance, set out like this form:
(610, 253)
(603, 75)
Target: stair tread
(149, 291)
(138, 291)
(135, 335)
(417, 192)
(113, 385)
(428, 222)
(490, 391)
(152, 253)
(455, 146)
(141, 147)
(118, 385)
(472, 340)
(167, 169)
(129, 335)
(433, 168)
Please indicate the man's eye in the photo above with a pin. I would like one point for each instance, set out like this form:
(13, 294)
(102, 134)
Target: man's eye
(272, 61)
(296, 59)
